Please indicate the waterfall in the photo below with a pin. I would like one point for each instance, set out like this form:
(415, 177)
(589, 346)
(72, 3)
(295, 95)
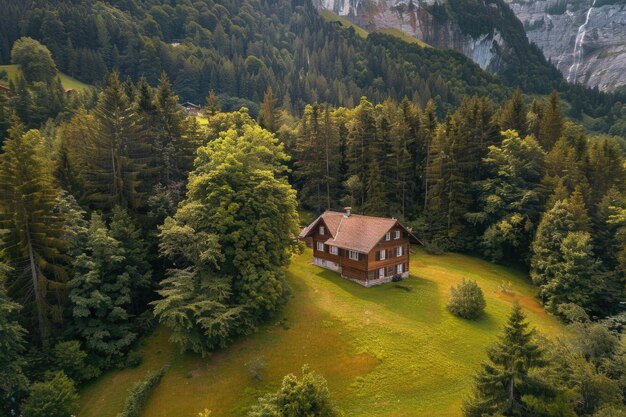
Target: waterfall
(578, 47)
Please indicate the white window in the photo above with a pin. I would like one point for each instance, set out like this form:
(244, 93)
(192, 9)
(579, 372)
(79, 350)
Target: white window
(320, 246)
(400, 250)
(388, 236)
(397, 234)
(334, 250)
(354, 255)
(322, 230)
(383, 254)
(381, 273)
(400, 268)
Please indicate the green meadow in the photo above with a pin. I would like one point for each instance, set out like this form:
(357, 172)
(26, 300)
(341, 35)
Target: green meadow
(392, 350)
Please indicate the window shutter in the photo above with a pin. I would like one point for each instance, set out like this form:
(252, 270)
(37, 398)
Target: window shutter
(378, 255)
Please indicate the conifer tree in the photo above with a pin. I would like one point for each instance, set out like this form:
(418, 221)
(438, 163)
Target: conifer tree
(504, 383)
(361, 134)
(124, 230)
(513, 114)
(117, 151)
(34, 251)
(212, 103)
(100, 294)
(177, 152)
(12, 346)
(269, 117)
(427, 132)
(551, 125)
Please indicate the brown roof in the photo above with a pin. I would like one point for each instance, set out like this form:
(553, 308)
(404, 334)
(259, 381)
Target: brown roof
(355, 232)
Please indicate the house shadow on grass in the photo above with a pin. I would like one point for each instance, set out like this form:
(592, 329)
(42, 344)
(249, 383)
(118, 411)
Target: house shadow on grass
(414, 298)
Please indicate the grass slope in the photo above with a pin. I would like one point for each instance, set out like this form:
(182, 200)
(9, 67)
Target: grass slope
(66, 80)
(385, 351)
(332, 17)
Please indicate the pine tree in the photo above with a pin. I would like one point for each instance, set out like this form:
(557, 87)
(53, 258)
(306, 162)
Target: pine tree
(35, 249)
(117, 151)
(361, 135)
(551, 125)
(177, 152)
(269, 117)
(124, 230)
(513, 114)
(503, 383)
(100, 294)
(12, 379)
(212, 104)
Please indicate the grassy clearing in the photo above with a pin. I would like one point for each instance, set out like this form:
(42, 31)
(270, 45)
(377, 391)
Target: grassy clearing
(386, 351)
(66, 80)
(405, 37)
(332, 17)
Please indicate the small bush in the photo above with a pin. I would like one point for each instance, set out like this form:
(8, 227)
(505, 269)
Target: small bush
(256, 367)
(140, 392)
(433, 248)
(133, 359)
(467, 300)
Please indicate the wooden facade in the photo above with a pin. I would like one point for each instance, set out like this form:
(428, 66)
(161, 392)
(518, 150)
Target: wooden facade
(360, 254)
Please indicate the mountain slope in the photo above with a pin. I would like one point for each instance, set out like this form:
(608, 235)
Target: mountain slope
(484, 30)
(585, 39)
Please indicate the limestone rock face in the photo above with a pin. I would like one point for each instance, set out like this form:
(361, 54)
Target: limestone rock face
(585, 39)
(413, 18)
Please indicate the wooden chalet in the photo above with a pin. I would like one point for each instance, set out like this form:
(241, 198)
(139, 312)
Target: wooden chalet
(368, 250)
(192, 109)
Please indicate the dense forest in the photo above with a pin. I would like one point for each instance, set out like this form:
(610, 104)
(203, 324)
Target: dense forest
(119, 212)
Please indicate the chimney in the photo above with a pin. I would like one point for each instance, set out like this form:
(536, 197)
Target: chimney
(347, 209)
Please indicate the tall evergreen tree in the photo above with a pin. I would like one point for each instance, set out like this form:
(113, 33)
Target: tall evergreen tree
(28, 196)
(551, 125)
(504, 383)
(269, 117)
(513, 114)
(12, 346)
(100, 294)
(117, 151)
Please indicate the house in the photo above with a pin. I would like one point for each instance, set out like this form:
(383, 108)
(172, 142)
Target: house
(365, 249)
(191, 109)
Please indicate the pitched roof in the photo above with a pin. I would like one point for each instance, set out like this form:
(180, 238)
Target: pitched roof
(355, 232)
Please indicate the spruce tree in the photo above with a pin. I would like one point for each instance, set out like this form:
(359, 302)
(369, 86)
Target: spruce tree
(551, 125)
(212, 104)
(503, 383)
(513, 114)
(35, 246)
(269, 118)
(12, 346)
(100, 294)
(117, 151)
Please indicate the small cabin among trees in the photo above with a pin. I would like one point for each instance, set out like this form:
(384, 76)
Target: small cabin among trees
(365, 249)
(192, 109)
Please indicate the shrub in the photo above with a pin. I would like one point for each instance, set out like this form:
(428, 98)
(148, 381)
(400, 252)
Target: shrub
(140, 392)
(56, 397)
(256, 367)
(133, 359)
(467, 300)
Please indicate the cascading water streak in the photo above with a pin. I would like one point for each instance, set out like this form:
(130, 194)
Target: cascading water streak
(578, 47)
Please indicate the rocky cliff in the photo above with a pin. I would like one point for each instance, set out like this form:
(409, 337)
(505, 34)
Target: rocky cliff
(417, 19)
(487, 31)
(585, 39)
